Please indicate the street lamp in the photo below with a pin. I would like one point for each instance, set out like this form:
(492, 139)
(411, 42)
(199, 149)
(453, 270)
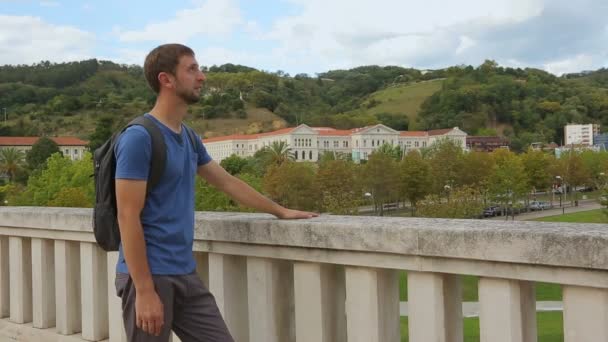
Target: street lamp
(558, 179)
(447, 189)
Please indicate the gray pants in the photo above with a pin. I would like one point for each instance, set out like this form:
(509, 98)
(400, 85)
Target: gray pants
(189, 310)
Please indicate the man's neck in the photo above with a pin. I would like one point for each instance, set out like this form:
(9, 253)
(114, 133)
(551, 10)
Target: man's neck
(171, 112)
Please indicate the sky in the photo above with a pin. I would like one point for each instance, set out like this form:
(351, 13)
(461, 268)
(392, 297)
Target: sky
(313, 36)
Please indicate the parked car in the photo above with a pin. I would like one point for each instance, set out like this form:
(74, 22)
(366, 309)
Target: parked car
(492, 211)
(539, 205)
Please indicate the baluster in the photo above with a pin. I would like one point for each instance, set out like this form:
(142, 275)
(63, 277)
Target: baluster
(67, 287)
(20, 260)
(5, 296)
(43, 283)
(93, 271)
(434, 307)
(585, 314)
(507, 310)
(228, 284)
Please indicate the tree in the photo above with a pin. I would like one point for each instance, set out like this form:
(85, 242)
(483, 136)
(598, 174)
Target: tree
(278, 153)
(476, 171)
(508, 182)
(60, 181)
(234, 164)
(208, 198)
(394, 152)
(40, 152)
(292, 184)
(463, 202)
(536, 166)
(574, 172)
(11, 162)
(596, 164)
(336, 181)
(415, 178)
(380, 177)
(103, 131)
(445, 160)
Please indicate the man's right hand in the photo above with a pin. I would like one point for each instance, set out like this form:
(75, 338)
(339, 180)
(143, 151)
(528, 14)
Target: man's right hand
(149, 312)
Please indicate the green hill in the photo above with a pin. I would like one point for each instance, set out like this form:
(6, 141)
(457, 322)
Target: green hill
(403, 99)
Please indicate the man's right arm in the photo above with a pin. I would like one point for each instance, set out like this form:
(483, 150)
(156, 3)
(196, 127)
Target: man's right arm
(130, 198)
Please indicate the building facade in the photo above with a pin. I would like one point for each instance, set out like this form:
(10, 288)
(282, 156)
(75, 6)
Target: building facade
(486, 144)
(71, 147)
(308, 143)
(580, 134)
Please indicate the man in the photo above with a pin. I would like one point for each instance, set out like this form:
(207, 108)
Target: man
(156, 276)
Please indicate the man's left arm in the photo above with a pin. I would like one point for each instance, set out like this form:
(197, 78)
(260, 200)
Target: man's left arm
(244, 194)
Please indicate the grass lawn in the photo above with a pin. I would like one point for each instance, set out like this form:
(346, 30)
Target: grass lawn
(591, 216)
(549, 325)
(544, 291)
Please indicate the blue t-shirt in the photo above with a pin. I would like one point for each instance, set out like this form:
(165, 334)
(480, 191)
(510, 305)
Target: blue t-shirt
(168, 214)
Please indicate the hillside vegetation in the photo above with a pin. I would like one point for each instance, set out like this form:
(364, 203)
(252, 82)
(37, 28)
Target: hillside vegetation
(524, 104)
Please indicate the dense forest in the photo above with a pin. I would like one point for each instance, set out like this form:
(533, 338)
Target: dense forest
(525, 105)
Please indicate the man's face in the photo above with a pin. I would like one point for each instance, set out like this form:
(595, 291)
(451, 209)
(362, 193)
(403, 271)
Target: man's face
(188, 79)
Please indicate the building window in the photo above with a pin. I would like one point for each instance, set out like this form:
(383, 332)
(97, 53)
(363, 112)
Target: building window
(373, 143)
(75, 152)
(364, 155)
(336, 144)
(303, 155)
(364, 143)
(310, 155)
(417, 144)
(295, 155)
(67, 151)
(424, 144)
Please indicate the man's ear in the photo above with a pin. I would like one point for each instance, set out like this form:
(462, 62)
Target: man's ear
(166, 80)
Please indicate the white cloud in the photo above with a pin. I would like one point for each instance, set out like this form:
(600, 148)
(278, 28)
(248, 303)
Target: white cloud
(26, 40)
(465, 43)
(212, 18)
(573, 64)
(393, 31)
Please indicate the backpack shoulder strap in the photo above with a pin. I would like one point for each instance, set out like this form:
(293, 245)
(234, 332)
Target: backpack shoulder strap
(159, 150)
(192, 137)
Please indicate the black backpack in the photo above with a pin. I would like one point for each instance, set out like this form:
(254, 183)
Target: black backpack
(105, 221)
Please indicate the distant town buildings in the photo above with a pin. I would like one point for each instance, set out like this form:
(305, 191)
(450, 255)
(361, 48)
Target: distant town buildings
(486, 144)
(601, 140)
(308, 143)
(71, 147)
(581, 135)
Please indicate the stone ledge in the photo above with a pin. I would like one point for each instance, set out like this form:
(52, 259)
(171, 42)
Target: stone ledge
(544, 243)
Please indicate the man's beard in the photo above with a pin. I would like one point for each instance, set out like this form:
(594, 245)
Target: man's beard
(189, 97)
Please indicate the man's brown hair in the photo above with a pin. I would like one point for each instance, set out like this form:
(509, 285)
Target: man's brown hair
(164, 58)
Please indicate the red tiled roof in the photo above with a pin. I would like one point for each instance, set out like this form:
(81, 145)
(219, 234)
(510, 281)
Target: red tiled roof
(440, 131)
(29, 141)
(413, 134)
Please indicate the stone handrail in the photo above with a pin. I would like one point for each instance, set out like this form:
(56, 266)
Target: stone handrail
(332, 278)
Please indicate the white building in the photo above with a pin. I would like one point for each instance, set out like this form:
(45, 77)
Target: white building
(71, 147)
(307, 143)
(580, 134)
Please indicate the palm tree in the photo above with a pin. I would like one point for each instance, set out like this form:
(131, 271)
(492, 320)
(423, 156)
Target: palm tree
(279, 152)
(11, 161)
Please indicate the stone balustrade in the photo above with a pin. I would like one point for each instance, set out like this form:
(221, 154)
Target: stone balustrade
(329, 279)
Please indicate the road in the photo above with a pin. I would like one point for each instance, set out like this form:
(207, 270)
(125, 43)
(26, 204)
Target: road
(584, 205)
